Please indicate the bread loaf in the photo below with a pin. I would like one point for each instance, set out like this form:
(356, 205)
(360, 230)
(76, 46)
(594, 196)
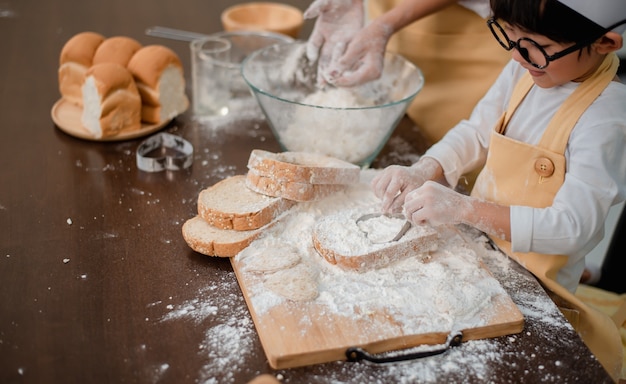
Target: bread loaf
(116, 49)
(303, 167)
(212, 241)
(76, 58)
(111, 101)
(229, 204)
(290, 190)
(339, 240)
(160, 79)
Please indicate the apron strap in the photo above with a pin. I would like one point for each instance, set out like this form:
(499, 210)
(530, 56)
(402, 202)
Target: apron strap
(523, 86)
(557, 133)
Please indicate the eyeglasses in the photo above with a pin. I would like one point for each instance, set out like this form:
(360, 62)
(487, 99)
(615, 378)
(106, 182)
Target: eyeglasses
(530, 50)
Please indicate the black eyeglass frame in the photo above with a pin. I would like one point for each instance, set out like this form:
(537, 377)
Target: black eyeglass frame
(515, 44)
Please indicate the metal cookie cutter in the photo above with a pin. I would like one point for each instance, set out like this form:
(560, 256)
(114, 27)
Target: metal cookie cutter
(164, 151)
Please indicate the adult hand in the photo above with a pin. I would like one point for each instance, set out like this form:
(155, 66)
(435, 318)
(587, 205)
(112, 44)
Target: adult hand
(363, 59)
(394, 183)
(436, 204)
(337, 23)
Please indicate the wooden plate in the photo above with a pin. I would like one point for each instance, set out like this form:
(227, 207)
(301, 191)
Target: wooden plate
(67, 117)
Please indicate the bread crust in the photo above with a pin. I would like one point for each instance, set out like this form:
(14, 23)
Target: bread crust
(75, 59)
(81, 48)
(148, 65)
(120, 101)
(295, 191)
(116, 49)
(212, 241)
(150, 61)
(229, 204)
(303, 167)
(377, 257)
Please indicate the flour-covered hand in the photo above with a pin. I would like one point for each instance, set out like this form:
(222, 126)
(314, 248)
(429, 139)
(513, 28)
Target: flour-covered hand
(394, 183)
(436, 204)
(363, 59)
(338, 21)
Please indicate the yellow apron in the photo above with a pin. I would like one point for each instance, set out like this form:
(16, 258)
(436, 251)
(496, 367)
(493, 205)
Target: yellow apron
(517, 173)
(460, 60)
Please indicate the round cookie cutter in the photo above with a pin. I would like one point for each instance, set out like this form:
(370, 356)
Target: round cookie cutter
(164, 151)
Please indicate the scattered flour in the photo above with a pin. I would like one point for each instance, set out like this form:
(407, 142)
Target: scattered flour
(229, 342)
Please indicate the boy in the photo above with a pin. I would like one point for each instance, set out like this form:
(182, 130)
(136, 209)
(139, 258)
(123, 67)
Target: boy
(550, 135)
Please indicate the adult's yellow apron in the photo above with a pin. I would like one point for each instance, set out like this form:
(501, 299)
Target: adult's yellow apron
(460, 60)
(517, 173)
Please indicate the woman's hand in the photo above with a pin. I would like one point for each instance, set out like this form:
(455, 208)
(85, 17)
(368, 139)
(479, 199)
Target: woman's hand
(338, 21)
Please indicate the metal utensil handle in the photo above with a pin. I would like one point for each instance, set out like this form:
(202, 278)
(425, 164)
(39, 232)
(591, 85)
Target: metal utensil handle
(174, 34)
(355, 354)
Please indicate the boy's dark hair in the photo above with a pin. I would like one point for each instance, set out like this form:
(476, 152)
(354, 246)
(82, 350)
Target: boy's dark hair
(549, 18)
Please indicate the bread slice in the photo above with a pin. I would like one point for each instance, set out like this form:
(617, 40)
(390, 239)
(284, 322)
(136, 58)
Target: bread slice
(212, 241)
(303, 167)
(111, 102)
(116, 49)
(160, 79)
(295, 191)
(75, 59)
(229, 204)
(339, 240)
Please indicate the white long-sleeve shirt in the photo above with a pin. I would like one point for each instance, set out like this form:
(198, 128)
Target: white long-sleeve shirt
(595, 176)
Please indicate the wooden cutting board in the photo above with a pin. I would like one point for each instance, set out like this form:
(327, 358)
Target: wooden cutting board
(299, 333)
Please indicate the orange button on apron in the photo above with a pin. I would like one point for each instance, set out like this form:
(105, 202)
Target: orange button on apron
(544, 167)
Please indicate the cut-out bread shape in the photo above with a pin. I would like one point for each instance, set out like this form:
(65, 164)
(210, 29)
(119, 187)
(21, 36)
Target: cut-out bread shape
(75, 59)
(212, 241)
(295, 191)
(302, 167)
(116, 49)
(161, 82)
(111, 101)
(229, 204)
(340, 241)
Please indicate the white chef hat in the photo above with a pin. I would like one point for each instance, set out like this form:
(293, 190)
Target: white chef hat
(605, 13)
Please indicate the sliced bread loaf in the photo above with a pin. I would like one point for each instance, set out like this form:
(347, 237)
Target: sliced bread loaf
(340, 241)
(229, 204)
(212, 241)
(303, 167)
(289, 190)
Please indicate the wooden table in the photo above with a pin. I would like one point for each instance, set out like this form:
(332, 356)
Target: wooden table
(96, 282)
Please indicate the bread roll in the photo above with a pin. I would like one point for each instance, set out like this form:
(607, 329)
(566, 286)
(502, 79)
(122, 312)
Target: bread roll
(117, 49)
(160, 79)
(111, 101)
(229, 204)
(76, 58)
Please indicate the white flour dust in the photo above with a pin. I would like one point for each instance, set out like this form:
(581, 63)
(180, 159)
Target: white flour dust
(449, 292)
(228, 342)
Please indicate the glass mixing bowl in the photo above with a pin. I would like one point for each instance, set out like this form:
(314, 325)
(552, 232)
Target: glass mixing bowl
(351, 124)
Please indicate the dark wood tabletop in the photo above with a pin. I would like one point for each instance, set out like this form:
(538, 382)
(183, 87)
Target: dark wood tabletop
(97, 284)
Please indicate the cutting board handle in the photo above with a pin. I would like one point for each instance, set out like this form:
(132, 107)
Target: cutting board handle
(355, 354)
